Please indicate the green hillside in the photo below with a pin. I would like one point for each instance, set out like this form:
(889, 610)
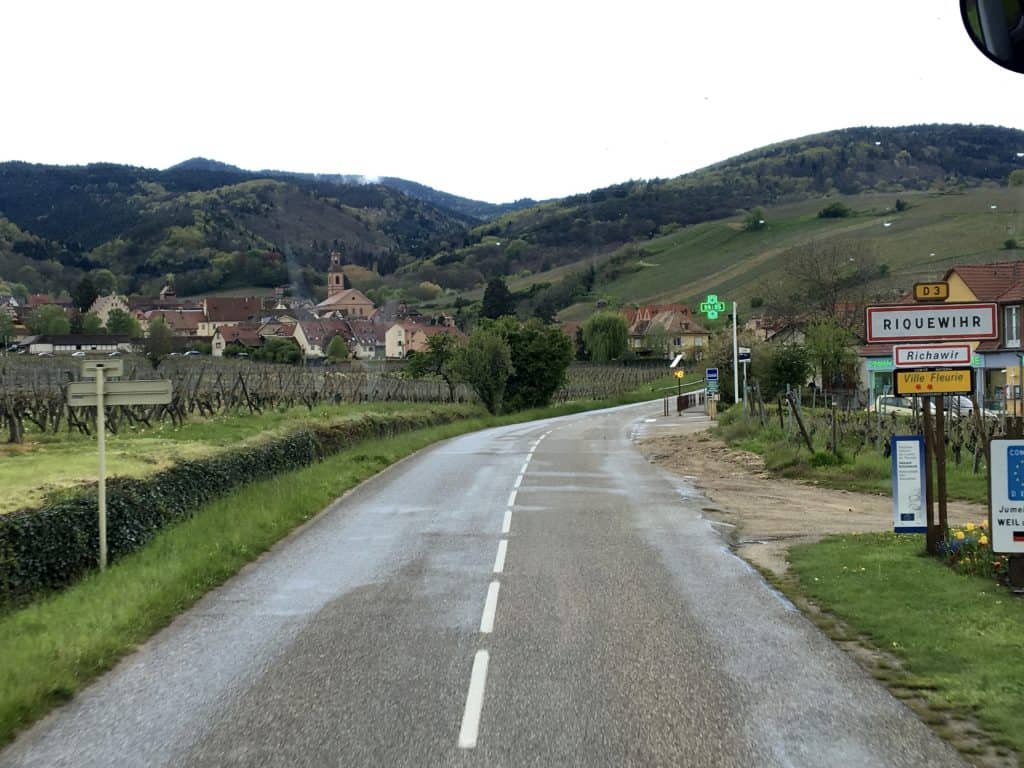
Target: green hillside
(935, 232)
(215, 227)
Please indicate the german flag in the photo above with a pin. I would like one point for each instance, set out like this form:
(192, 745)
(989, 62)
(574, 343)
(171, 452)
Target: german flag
(1018, 537)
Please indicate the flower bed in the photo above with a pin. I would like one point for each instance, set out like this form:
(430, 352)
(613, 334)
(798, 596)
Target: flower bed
(967, 550)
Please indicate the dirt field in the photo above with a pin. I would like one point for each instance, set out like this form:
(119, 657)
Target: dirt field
(770, 515)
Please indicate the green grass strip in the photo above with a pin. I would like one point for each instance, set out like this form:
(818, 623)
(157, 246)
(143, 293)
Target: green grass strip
(54, 647)
(958, 636)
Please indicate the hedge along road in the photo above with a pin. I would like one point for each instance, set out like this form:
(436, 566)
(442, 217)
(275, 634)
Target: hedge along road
(535, 593)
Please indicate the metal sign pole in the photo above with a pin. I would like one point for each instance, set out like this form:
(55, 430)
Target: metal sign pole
(735, 359)
(101, 441)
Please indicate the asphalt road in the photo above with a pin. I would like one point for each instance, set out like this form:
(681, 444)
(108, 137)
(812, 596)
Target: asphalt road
(530, 595)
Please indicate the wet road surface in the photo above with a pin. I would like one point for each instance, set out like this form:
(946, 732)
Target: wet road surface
(529, 595)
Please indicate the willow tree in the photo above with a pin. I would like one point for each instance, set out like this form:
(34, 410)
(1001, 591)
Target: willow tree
(605, 336)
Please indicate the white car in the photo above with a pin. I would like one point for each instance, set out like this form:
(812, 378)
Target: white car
(955, 406)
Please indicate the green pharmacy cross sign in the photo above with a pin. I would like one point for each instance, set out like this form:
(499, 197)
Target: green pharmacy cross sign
(712, 307)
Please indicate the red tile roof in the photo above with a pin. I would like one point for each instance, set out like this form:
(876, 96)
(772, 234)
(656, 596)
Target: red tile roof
(989, 282)
(220, 309)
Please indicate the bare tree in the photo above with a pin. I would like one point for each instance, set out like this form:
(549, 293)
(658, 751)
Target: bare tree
(824, 279)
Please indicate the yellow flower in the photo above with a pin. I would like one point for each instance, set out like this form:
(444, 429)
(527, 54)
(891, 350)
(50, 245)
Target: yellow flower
(983, 524)
(969, 526)
(959, 535)
(983, 539)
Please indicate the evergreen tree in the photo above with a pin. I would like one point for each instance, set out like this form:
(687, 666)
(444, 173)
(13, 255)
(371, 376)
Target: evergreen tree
(498, 300)
(337, 350)
(84, 294)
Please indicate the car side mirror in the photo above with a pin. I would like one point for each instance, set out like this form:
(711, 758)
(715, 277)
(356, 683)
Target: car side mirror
(997, 28)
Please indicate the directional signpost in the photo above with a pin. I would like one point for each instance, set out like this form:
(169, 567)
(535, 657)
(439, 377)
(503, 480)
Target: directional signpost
(924, 367)
(711, 307)
(711, 387)
(99, 394)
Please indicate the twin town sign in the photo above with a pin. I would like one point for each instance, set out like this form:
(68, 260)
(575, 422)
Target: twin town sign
(931, 322)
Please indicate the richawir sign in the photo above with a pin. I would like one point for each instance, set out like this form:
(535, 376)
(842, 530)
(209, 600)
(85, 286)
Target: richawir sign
(931, 322)
(925, 355)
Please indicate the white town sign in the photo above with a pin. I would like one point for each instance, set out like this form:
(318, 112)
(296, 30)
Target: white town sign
(925, 355)
(931, 322)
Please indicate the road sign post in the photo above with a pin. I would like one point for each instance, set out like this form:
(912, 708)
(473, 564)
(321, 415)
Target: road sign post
(924, 326)
(100, 394)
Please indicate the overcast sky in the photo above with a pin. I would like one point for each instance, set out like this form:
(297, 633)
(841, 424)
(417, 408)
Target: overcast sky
(485, 99)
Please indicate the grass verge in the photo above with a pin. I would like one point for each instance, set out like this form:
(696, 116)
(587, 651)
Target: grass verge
(52, 463)
(956, 638)
(55, 646)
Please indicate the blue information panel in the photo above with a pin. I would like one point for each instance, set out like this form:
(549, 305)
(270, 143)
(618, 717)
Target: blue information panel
(711, 374)
(909, 513)
(1006, 492)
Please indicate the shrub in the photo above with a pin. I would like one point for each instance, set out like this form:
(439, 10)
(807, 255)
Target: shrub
(826, 459)
(835, 210)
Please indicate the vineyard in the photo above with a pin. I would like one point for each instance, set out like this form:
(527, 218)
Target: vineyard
(32, 390)
(593, 381)
(847, 432)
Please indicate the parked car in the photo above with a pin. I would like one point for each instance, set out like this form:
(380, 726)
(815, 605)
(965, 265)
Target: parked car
(79, 353)
(955, 406)
(896, 404)
(192, 353)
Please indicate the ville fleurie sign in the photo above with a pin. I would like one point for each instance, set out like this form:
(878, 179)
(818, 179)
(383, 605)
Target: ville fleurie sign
(926, 383)
(931, 322)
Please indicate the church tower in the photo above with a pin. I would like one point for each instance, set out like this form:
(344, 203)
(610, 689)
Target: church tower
(336, 280)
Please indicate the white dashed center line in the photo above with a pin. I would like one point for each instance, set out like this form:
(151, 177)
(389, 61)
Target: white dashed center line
(478, 677)
(499, 560)
(490, 608)
(474, 701)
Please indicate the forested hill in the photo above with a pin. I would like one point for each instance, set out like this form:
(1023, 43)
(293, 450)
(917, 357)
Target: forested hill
(212, 225)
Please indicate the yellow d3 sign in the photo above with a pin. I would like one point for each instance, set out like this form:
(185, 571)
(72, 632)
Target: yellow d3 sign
(931, 291)
(680, 373)
(933, 382)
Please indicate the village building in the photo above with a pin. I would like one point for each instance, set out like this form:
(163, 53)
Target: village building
(219, 311)
(66, 344)
(664, 331)
(245, 335)
(102, 306)
(342, 298)
(367, 340)
(313, 336)
(402, 338)
(182, 322)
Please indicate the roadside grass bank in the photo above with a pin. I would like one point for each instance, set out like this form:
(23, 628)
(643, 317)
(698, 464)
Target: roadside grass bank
(50, 547)
(860, 466)
(947, 644)
(48, 464)
(56, 645)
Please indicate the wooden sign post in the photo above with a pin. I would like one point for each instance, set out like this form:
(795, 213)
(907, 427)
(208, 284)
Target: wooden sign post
(101, 394)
